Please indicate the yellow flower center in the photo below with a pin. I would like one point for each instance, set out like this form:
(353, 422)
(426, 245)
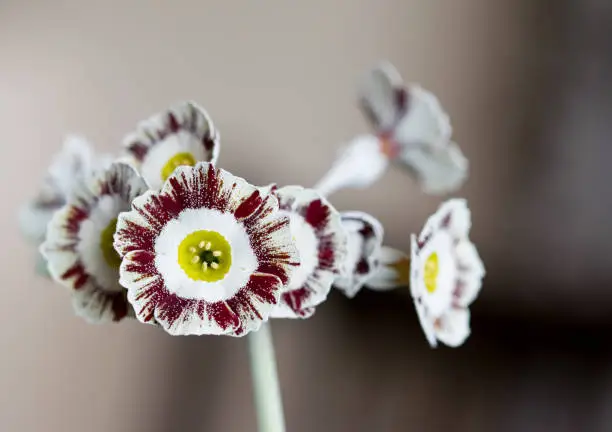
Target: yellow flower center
(430, 273)
(176, 161)
(205, 256)
(109, 253)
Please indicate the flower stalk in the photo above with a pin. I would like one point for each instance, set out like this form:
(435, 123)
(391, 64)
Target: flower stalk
(266, 387)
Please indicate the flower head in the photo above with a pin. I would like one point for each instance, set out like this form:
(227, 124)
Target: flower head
(207, 254)
(410, 128)
(446, 274)
(79, 243)
(317, 230)
(182, 135)
(413, 129)
(364, 241)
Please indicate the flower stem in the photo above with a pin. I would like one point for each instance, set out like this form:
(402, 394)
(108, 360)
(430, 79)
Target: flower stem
(266, 387)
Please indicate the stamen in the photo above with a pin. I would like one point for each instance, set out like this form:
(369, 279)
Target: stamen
(204, 266)
(202, 244)
(208, 245)
(217, 253)
(214, 265)
(195, 259)
(192, 249)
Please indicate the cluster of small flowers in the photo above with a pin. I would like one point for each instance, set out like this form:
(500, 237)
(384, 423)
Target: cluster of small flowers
(164, 235)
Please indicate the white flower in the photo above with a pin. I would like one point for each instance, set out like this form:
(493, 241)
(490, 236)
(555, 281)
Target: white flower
(410, 128)
(446, 274)
(207, 254)
(79, 243)
(181, 135)
(364, 241)
(321, 241)
(69, 169)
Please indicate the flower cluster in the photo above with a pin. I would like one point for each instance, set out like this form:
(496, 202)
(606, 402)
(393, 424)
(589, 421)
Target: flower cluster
(164, 235)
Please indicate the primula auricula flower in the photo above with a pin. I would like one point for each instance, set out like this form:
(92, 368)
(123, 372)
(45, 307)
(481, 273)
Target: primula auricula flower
(182, 135)
(446, 274)
(364, 241)
(68, 170)
(207, 254)
(320, 238)
(411, 128)
(79, 243)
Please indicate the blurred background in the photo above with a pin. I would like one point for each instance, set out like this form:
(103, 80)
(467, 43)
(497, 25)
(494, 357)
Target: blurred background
(527, 84)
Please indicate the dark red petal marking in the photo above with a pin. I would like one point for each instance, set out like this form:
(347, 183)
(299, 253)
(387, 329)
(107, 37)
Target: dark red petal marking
(296, 299)
(78, 272)
(317, 214)
(248, 206)
(362, 267)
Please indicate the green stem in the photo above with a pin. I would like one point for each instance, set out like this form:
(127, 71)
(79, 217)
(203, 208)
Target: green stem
(266, 387)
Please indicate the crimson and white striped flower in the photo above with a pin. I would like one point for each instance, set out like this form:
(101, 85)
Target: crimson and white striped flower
(410, 128)
(207, 254)
(79, 243)
(364, 242)
(446, 274)
(181, 135)
(317, 230)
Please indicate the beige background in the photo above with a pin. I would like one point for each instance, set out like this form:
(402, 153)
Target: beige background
(279, 79)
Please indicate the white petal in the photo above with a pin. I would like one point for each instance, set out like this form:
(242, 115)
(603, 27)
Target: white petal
(459, 218)
(472, 272)
(427, 323)
(379, 95)
(439, 169)
(359, 165)
(454, 327)
(425, 121)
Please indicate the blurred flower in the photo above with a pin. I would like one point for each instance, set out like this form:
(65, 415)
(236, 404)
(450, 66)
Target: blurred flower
(446, 274)
(411, 128)
(68, 170)
(208, 254)
(182, 135)
(364, 241)
(317, 231)
(79, 243)
(391, 270)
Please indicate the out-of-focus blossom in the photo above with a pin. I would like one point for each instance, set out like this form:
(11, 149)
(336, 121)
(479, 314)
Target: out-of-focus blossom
(79, 243)
(181, 135)
(207, 254)
(320, 238)
(410, 128)
(73, 165)
(446, 274)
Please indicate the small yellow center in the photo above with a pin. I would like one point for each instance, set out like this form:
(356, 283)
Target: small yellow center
(109, 253)
(177, 160)
(430, 273)
(205, 256)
